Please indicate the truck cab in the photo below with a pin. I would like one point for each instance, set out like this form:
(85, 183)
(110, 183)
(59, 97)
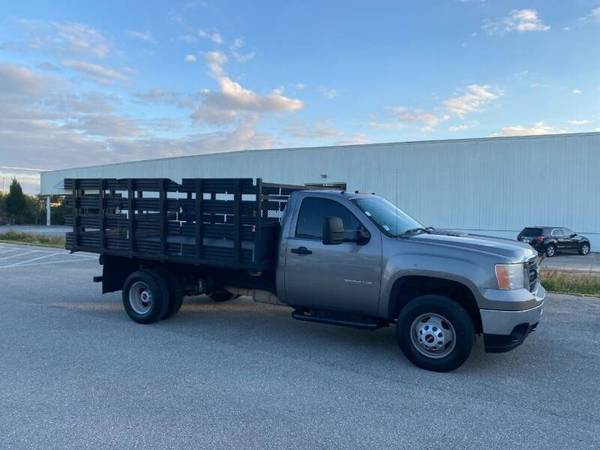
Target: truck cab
(356, 259)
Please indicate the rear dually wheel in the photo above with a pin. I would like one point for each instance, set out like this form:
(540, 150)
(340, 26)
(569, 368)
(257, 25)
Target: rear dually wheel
(145, 296)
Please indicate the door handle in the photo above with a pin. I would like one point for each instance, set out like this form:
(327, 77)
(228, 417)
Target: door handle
(301, 251)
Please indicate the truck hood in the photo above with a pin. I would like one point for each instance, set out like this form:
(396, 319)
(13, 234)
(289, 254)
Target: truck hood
(512, 251)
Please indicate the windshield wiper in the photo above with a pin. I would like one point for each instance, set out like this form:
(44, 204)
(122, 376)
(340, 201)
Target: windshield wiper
(419, 230)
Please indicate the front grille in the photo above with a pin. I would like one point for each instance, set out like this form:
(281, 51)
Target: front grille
(533, 271)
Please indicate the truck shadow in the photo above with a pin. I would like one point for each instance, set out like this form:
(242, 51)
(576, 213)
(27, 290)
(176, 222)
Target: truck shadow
(271, 329)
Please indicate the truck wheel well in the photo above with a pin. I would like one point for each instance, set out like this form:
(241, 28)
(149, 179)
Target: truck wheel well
(407, 288)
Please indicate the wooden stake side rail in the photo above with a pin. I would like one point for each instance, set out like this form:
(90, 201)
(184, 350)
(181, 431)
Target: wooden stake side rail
(218, 222)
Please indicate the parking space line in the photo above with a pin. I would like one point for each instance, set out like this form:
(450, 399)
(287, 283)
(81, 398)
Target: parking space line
(12, 250)
(47, 263)
(20, 263)
(16, 255)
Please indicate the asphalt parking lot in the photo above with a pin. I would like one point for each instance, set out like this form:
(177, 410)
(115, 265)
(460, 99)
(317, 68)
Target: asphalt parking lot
(77, 373)
(574, 263)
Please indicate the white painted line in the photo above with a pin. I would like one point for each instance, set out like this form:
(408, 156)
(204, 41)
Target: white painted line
(20, 263)
(10, 251)
(51, 263)
(16, 255)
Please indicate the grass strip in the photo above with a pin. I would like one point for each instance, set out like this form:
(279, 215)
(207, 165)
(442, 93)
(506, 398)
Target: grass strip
(575, 283)
(14, 237)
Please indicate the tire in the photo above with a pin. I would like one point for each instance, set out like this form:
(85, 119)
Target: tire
(418, 330)
(175, 287)
(550, 251)
(145, 296)
(584, 248)
(221, 296)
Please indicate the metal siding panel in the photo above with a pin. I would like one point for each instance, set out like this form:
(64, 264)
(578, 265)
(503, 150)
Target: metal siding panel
(493, 185)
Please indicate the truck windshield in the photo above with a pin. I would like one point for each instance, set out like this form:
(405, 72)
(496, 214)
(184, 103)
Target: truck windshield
(387, 216)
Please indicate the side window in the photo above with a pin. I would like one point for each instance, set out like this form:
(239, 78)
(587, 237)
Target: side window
(566, 232)
(314, 211)
(556, 232)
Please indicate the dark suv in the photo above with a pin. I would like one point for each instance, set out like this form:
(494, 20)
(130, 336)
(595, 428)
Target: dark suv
(551, 240)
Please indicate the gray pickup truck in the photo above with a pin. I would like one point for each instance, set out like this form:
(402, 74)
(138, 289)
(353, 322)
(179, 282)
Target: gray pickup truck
(337, 257)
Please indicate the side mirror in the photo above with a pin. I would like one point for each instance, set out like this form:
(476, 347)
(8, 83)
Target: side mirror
(362, 236)
(333, 231)
(573, 235)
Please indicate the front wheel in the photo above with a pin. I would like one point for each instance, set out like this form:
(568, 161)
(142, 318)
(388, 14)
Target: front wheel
(584, 249)
(435, 333)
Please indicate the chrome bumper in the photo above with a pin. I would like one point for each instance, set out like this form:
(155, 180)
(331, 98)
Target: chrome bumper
(504, 322)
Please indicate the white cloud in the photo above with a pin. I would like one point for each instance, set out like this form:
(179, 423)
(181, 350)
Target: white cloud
(577, 91)
(538, 128)
(317, 130)
(232, 98)
(190, 59)
(18, 80)
(403, 117)
(594, 16)
(49, 120)
(29, 179)
(473, 100)
(211, 35)
(459, 127)
(300, 86)
(355, 139)
(67, 37)
(100, 73)
(579, 122)
(328, 93)
(105, 125)
(235, 48)
(519, 20)
(157, 95)
(145, 36)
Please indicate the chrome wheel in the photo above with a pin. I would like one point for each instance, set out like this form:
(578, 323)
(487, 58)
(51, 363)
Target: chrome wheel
(433, 335)
(140, 298)
(585, 249)
(550, 251)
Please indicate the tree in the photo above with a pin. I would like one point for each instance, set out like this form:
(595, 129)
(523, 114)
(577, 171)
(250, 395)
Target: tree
(15, 201)
(2, 209)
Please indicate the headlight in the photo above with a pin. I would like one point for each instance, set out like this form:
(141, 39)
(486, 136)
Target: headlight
(510, 276)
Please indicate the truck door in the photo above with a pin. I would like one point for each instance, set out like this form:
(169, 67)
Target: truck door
(343, 277)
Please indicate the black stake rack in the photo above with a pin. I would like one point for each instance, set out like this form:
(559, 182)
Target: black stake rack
(223, 222)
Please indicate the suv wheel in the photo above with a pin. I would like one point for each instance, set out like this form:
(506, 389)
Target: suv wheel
(584, 248)
(435, 333)
(145, 296)
(551, 251)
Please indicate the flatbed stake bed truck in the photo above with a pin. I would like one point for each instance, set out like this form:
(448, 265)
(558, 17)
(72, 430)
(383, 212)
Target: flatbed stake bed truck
(332, 256)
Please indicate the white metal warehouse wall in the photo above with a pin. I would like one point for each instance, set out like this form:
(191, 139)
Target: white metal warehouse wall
(492, 185)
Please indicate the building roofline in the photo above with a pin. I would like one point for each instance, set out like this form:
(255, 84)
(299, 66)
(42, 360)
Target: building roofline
(378, 144)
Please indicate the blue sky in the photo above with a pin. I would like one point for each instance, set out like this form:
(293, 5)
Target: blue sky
(85, 83)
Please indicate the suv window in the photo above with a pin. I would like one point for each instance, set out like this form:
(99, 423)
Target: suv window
(531, 232)
(314, 211)
(567, 232)
(556, 232)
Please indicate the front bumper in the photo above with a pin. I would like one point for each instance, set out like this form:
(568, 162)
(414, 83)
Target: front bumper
(504, 329)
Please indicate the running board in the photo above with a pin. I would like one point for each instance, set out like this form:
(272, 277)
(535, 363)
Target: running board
(345, 320)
